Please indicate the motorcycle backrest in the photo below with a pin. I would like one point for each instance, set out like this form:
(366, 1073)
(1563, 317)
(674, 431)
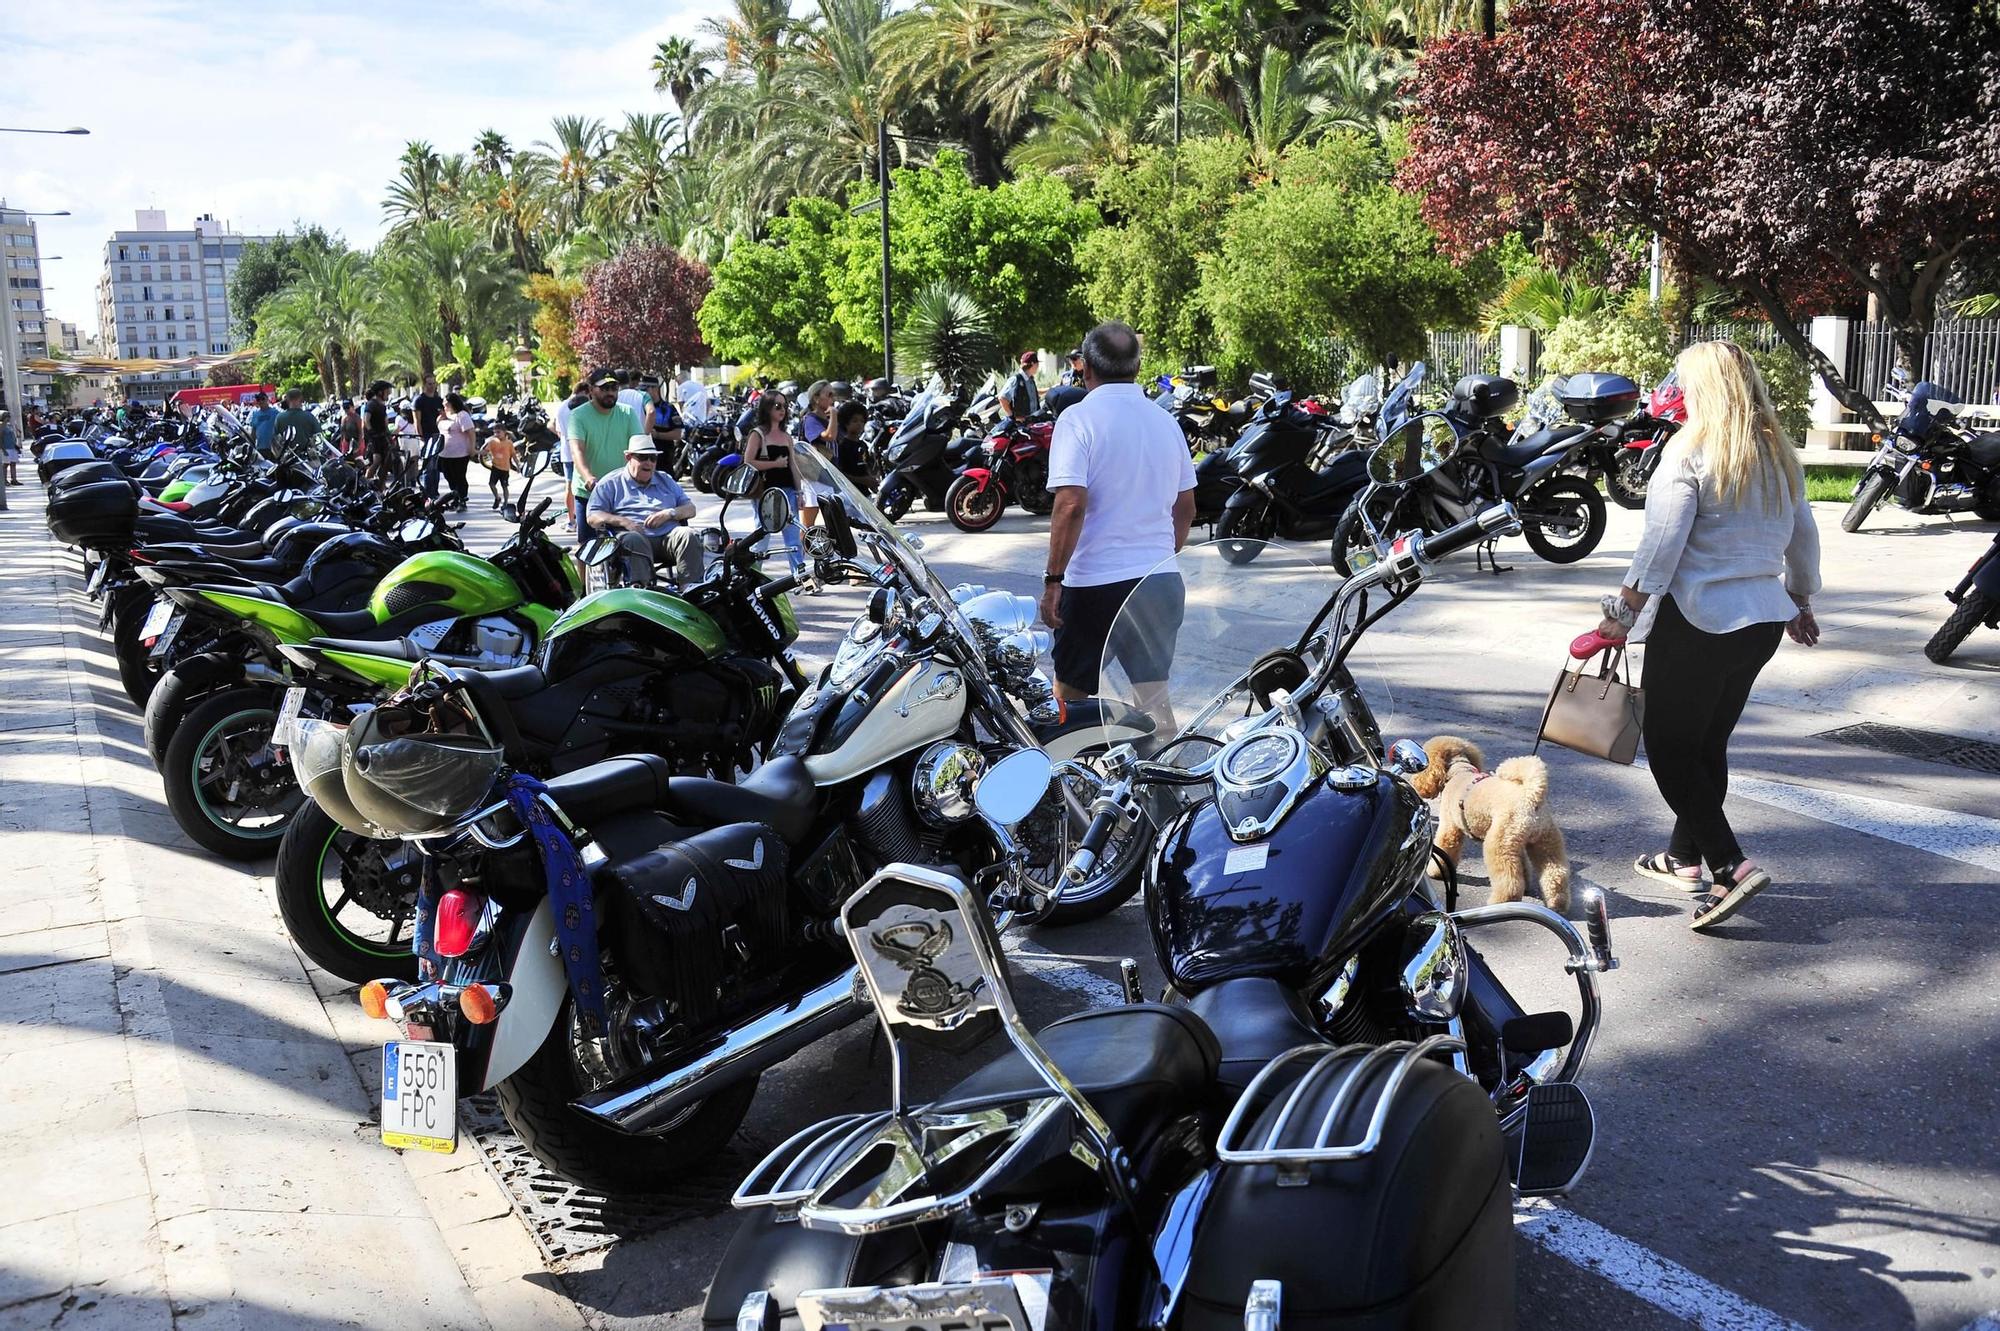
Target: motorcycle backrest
(928, 957)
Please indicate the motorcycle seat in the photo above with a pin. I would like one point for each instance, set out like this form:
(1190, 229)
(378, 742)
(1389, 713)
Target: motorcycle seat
(616, 785)
(779, 794)
(223, 551)
(1141, 1066)
(1254, 1019)
(1984, 449)
(1540, 442)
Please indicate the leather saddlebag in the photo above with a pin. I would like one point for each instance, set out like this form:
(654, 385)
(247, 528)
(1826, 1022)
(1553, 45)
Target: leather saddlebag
(685, 919)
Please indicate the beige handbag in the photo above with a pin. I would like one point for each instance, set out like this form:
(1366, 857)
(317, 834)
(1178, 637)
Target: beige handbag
(1595, 713)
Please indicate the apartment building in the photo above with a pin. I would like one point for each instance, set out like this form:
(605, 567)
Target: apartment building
(164, 294)
(20, 244)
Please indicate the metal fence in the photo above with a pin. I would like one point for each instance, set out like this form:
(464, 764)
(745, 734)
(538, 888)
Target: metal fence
(1454, 353)
(1961, 354)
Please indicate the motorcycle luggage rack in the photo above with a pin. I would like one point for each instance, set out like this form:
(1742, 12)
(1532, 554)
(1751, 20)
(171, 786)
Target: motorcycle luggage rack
(796, 1167)
(1334, 1071)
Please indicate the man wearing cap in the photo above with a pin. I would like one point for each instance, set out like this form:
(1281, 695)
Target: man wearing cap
(598, 432)
(263, 422)
(645, 510)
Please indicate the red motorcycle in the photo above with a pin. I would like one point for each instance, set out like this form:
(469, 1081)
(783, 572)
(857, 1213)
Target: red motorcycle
(1642, 441)
(1011, 466)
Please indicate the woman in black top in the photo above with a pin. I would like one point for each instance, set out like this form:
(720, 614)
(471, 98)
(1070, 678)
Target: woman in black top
(768, 449)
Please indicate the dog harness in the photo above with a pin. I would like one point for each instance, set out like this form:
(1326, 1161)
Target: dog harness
(1477, 777)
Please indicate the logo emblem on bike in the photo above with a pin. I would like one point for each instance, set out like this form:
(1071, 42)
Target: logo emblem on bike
(756, 860)
(683, 902)
(915, 946)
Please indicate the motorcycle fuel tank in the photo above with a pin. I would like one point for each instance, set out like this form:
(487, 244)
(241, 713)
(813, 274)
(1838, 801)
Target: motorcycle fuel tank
(1292, 905)
(924, 703)
(462, 583)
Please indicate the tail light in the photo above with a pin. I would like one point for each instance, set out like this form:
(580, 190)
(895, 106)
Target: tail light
(458, 915)
(375, 1000)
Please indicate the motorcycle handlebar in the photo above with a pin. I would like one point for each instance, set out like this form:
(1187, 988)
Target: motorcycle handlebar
(1095, 838)
(777, 587)
(1499, 520)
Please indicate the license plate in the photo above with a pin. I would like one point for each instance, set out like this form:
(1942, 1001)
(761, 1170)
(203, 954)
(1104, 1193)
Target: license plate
(288, 715)
(97, 576)
(156, 620)
(1015, 1302)
(420, 1096)
(167, 635)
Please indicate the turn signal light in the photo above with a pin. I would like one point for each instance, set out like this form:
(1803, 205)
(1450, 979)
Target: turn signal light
(478, 1004)
(375, 1000)
(458, 913)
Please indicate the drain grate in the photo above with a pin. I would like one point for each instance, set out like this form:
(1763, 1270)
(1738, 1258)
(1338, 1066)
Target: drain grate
(568, 1221)
(1931, 746)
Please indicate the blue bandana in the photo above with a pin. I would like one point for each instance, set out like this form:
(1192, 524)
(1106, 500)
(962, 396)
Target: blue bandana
(569, 898)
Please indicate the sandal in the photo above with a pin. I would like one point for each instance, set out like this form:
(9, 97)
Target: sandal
(1666, 869)
(1742, 881)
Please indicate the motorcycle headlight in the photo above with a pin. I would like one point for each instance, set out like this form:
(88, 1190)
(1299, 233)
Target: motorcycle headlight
(1002, 612)
(1903, 442)
(943, 781)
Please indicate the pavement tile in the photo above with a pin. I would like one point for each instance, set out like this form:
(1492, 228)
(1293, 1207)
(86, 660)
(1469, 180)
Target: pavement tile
(464, 1195)
(283, 1078)
(65, 910)
(492, 1251)
(528, 1301)
(261, 1162)
(77, 942)
(204, 1003)
(57, 1005)
(75, 1161)
(73, 1086)
(336, 1270)
(84, 1248)
(247, 951)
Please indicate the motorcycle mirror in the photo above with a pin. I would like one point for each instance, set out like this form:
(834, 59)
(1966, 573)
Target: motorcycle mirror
(881, 604)
(738, 482)
(834, 519)
(598, 551)
(1012, 787)
(1417, 448)
(774, 509)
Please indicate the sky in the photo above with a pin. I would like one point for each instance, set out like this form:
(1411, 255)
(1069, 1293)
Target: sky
(283, 111)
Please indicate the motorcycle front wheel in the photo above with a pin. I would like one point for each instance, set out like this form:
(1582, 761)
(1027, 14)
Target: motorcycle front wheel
(895, 499)
(973, 509)
(1973, 608)
(1568, 502)
(347, 901)
(1353, 550)
(1625, 482)
(536, 1101)
(1865, 499)
(1113, 882)
(225, 785)
(1241, 534)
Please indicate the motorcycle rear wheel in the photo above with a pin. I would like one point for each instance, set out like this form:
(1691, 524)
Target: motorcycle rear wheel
(972, 509)
(1973, 609)
(1625, 482)
(165, 710)
(135, 670)
(536, 1102)
(1575, 499)
(209, 758)
(895, 502)
(315, 924)
(1865, 499)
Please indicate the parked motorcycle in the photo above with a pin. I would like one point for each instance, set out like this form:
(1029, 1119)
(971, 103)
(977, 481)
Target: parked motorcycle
(922, 458)
(1012, 464)
(1468, 463)
(1322, 1122)
(1977, 602)
(1628, 460)
(1928, 463)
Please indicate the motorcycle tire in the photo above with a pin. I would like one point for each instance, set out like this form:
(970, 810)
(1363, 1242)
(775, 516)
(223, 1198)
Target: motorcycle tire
(135, 671)
(972, 509)
(316, 930)
(1575, 494)
(197, 741)
(1242, 532)
(1972, 611)
(1625, 481)
(1865, 499)
(1105, 891)
(895, 503)
(536, 1103)
(1031, 490)
(165, 710)
(1352, 550)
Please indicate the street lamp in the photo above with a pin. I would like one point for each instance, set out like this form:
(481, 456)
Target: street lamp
(10, 129)
(23, 212)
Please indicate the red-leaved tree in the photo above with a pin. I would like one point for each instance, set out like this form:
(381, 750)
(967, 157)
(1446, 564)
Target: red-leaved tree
(1798, 152)
(637, 309)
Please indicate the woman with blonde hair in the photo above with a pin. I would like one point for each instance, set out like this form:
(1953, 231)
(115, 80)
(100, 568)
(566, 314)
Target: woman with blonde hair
(1728, 564)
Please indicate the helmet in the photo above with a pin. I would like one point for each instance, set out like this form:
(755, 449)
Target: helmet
(842, 390)
(420, 762)
(316, 753)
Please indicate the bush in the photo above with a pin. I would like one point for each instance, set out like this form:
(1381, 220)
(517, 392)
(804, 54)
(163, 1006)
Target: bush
(1790, 385)
(1638, 346)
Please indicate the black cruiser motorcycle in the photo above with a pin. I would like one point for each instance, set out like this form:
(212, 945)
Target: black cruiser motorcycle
(1324, 1123)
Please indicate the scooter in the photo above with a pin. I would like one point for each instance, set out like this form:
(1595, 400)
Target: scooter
(923, 457)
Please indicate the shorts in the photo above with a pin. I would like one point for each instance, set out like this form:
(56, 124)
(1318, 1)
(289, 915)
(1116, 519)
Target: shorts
(1143, 645)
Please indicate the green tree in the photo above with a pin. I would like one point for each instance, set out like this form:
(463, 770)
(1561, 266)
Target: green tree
(1013, 249)
(772, 303)
(266, 268)
(1144, 265)
(1328, 248)
(678, 69)
(947, 332)
(1107, 119)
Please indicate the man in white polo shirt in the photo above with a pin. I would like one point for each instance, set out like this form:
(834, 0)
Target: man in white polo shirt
(1124, 498)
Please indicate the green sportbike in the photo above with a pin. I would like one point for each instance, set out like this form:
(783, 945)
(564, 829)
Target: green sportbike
(703, 678)
(211, 721)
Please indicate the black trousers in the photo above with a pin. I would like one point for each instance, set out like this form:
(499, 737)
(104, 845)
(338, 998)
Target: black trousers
(1696, 685)
(454, 475)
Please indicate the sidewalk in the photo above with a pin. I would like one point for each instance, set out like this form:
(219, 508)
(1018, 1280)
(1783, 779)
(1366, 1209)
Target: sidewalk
(188, 1131)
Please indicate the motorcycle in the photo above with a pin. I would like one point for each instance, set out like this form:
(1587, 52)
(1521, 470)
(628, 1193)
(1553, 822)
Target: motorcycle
(1976, 599)
(1015, 458)
(701, 678)
(1628, 460)
(719, 903)
(1469, 463)
(1929, 463)
(923, 457)
(1328, 1116)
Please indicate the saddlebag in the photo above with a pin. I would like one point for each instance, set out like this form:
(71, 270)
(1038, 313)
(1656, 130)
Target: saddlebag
(1416, 1234)
(689, 917)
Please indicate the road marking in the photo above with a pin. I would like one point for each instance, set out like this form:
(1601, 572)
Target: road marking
(1965, 837)
(1645, 1274)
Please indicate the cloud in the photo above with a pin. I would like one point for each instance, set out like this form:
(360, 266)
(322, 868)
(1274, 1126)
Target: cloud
(268, 114)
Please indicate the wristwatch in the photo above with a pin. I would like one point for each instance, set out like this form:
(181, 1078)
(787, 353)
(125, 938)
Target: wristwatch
(1051, 577)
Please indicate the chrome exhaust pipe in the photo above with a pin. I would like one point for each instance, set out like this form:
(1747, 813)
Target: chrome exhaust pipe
(649, 1098)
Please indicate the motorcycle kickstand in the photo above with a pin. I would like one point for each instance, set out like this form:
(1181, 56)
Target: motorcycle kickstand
(1487, 553)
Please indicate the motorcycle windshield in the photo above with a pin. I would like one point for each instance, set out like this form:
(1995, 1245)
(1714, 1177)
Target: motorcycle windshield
(1182, 647)
(1400, 403)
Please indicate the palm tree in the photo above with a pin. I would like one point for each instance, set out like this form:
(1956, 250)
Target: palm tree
(1102, 123)
(490, 152)
(1047, 45)
(510, 206)
(1280, 106)
(678, 69)
(576, 150)
(642, 170)
(1541, 299)
(415, 195)
(469, 286)
(322, 314)
(1361, 87)
(931, 58)
(750, 38)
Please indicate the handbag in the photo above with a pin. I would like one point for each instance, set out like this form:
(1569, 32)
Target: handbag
(1595, 713)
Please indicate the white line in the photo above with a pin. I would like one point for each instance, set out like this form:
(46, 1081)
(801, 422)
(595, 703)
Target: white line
(1641, 1272)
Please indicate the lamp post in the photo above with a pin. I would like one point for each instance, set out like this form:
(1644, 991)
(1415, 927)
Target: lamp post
(12, 129)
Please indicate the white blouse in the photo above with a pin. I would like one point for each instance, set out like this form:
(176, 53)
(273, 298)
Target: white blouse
(1727, 567)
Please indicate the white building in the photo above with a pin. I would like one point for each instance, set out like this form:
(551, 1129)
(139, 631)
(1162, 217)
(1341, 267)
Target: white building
(165, 293)
(69, 340)
(20, 243)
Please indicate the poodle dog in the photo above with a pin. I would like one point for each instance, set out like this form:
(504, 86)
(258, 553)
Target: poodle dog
(1503, 810)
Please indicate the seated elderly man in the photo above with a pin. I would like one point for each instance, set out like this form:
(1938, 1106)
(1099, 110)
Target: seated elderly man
(646, 510)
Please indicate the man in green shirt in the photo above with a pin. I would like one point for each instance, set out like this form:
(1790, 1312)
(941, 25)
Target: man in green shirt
(296, 428)
(599, 430)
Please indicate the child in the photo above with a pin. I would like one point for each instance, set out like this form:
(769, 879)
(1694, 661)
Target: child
(498, 455)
